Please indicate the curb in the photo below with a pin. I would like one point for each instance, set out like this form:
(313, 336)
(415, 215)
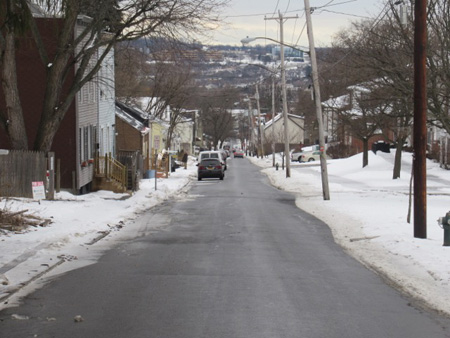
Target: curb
(13, 291)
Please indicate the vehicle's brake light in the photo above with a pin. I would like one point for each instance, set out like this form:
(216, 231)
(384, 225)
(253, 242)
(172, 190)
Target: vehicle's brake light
(201, 167)
(218, 167)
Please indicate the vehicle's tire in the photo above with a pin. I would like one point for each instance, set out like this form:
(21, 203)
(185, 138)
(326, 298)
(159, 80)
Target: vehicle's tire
(221, 177)
(311, 160)
(299, 159)
(199, 178)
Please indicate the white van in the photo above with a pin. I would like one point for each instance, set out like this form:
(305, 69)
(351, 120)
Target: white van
(213, 154)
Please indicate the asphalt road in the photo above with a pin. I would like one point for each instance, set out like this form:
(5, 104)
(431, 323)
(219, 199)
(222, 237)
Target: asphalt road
(235, 259)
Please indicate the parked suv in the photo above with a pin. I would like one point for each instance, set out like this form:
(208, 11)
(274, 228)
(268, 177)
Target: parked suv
(210, 168)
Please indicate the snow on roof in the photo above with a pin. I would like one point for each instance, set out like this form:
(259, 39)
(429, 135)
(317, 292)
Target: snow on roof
(132, 116)
(279, 116)
(337, 102)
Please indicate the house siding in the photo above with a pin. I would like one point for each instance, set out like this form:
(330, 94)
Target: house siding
(106, 106)
(87, 107)
(129, 138)
(295, 130)
(185, 130)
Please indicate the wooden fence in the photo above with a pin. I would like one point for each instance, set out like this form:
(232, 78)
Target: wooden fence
(18, 169)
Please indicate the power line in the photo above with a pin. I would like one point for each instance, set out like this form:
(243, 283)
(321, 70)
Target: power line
(301, 33)
(276, 8)
(336, 4)
(300, 10)
(376, 21)
(347, 14)
(287, 7)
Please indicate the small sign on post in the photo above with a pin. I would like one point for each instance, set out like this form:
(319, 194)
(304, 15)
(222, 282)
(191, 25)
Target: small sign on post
(38, 190)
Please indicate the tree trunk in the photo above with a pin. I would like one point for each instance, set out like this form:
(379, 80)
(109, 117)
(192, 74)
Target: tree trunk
(55, 107)
(15, 124)
(398, 160)
(365, 152)
(169, 136)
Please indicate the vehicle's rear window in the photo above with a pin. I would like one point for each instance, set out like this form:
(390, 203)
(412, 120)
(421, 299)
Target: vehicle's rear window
(210, 161)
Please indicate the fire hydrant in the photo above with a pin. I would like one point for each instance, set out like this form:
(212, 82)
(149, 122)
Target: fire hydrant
(445, 222)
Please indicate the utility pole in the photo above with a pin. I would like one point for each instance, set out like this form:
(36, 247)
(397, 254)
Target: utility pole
(317, 99)
(281, 20)
(251, 126)
(420, 120)
(261, 140)
(273, 120)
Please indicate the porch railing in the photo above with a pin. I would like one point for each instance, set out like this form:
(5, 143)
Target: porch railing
(108, 167)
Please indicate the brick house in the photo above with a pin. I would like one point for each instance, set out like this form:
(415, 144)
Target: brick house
(338, 134)
(139, 131)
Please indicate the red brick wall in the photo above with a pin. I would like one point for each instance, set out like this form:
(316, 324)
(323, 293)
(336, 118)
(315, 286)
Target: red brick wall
(32, 76)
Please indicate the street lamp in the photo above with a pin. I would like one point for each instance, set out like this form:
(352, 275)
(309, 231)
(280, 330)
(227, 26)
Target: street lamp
(283, 88)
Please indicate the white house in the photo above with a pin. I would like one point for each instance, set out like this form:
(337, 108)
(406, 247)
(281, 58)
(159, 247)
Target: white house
(274, 130)
(184, 131)
(106, 105)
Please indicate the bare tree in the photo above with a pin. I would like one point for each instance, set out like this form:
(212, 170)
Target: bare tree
(380, 52)
(121, 20)
(217, 119)
(438, 63)
(131, 73)
(176, 94)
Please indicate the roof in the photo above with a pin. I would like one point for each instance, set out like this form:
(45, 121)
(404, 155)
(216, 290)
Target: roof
(36, 10)
(133, 116)
(280, 116)
(337, 102)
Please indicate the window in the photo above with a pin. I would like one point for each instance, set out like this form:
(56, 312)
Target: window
(80, 144)
(87, 142)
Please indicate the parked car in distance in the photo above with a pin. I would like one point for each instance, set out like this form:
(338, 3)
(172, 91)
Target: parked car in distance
(306, 156)
(210, 168)
(239, 153)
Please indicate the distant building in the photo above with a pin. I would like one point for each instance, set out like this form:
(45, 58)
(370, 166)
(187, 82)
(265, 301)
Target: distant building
(290, 54)
(274, 131)
(139, 131)
(338, 110)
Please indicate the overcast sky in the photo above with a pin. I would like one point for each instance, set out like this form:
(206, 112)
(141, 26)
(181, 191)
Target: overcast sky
(247, 18)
